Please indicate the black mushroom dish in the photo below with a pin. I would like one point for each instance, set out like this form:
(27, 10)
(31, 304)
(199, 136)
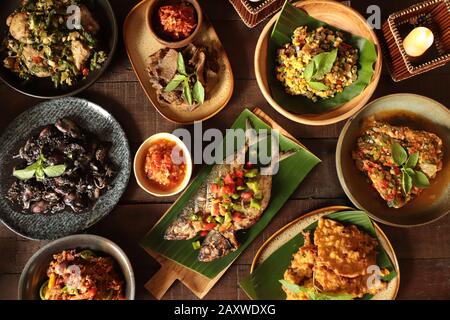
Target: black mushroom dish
(63, 166)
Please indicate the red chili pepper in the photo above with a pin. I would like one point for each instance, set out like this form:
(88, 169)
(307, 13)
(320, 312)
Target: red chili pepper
(36, 59)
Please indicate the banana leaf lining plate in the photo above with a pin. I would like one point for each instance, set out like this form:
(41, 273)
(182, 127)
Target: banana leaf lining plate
(285, 242)
(291, 172)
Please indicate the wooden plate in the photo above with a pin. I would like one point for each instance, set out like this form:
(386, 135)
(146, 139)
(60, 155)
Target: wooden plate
(140, 44)
(399, 109)
(293, 228)
(339, 16)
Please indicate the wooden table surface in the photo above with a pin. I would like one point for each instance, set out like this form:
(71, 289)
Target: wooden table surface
(423, 253)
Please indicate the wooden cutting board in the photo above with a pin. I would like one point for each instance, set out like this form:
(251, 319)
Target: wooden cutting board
(171, 271)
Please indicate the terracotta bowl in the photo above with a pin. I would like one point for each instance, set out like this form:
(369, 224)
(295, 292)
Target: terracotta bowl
(404, 109)
(152, 22)
(139, 165)
(341, 17)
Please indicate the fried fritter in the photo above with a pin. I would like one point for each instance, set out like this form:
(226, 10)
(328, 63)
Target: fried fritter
(345, 250)
(336, 263)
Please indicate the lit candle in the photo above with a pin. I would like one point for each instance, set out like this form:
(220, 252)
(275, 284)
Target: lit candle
(418, 41)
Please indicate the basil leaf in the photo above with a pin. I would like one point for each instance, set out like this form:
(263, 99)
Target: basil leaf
(293, 287)
(410, 172)
(420, 180)
(187, 93)
(175, 82)
(399, 154)
(24, 174)
(309, 70)
(181, 67)
(324, 63)
(55, 171)
(318, 86)
(40, 175)
(199, 92)
(412, 160)
(406, 183)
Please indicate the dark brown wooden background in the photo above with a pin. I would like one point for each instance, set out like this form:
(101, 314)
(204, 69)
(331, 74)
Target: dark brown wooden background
(423, 253)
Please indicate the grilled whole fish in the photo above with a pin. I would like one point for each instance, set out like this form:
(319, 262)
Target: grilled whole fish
(233, 197)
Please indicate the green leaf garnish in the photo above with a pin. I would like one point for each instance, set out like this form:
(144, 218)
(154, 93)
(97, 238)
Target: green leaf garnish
(314, 294)
(318, 86)
(292, 287)
(187, 93)
(37, 170)
(406, 182)
(24, 174)
(181, 67)
(175, 82)
(412, 160)
(54, 171)
(309, 70)
(399, 154)
(323, 63)
(420, 180)
(410, 172)
(198, 92)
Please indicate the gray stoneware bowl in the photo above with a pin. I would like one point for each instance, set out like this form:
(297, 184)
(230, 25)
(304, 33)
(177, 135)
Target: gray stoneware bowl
(410, 110)
(35, 272)
(43, 87)
(90, 117)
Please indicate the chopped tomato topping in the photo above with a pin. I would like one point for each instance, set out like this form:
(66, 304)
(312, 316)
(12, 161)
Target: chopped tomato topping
(239, 173)
(204, 233)
(228, 179)
(247, 195)
(215, 209)
(209, 226)
(239, 182)
(228, 189)
(215, 188)
(248, 165)
(237, 216)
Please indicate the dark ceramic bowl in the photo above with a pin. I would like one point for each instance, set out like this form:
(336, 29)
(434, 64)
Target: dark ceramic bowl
(43, 87)
(88, 116)
(153, 24)
(404, 109)
(34, 273)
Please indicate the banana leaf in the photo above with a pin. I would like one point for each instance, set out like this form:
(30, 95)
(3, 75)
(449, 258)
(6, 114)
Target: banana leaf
(291, 172)
(263, 283)
(292, 17)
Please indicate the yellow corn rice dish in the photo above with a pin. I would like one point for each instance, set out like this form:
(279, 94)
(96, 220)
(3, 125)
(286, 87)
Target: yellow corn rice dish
(293, 58)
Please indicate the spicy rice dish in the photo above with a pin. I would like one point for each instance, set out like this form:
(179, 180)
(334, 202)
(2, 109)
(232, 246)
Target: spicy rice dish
(82, 275)
(333, 62)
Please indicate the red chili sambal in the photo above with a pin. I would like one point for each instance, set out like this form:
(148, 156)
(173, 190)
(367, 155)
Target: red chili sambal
(177, 21)
(165, 164)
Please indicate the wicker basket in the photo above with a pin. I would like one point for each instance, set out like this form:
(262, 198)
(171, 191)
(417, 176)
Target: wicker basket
(252, 13)
(433, 14)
